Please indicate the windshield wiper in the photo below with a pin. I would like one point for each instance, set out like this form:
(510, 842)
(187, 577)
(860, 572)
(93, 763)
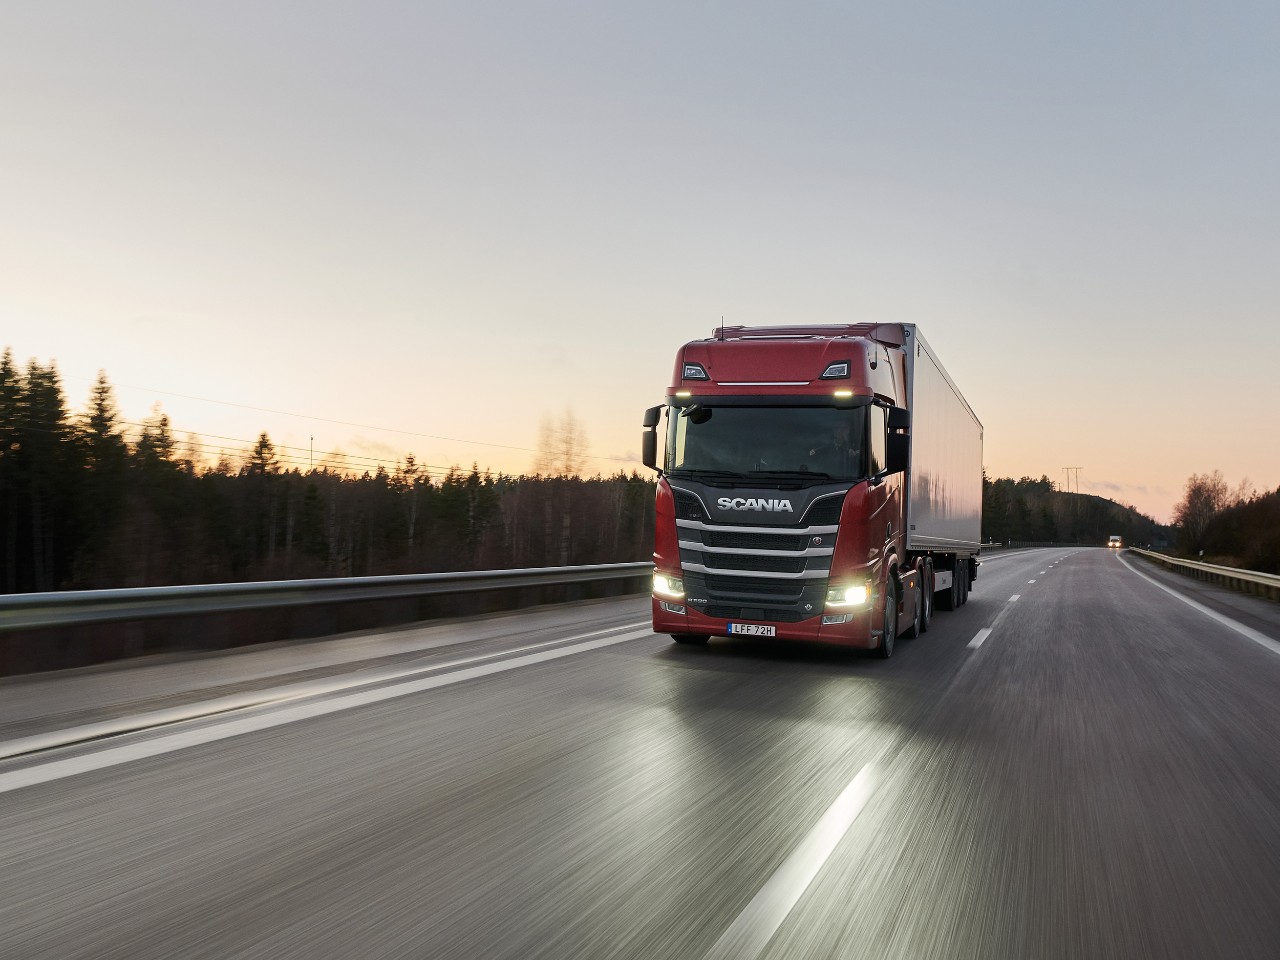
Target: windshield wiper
(805, 477)
(709, 474)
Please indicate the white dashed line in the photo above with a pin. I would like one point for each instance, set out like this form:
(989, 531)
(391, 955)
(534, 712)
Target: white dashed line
(760, 919)
(981, 635)
(1030, 581)
(1014, 597)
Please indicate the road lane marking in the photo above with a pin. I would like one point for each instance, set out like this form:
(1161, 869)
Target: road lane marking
(259, 698)
(1256, 636)
(980, 636)
(1030, 581)
(760, 919)
(1014, 597)
(226, 729)
(1043, 572)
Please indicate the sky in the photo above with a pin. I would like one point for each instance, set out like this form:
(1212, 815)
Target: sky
(380, 228)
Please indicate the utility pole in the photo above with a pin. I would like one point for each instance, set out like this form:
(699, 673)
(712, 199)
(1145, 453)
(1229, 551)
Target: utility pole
(1067, 471)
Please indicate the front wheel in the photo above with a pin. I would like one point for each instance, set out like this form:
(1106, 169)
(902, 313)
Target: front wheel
(690, 638)
(885, 650)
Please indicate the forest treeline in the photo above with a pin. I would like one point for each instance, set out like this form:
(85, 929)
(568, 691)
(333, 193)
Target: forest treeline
(1234, 528)
(86, 502)
(1034, 511)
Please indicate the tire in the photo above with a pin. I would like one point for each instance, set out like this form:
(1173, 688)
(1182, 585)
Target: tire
(692, 639)
(949, 599)
(887, 641)
(914, 630)
(926, 597)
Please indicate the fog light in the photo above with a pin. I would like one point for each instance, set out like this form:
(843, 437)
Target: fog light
(671, 607)
(836, 618)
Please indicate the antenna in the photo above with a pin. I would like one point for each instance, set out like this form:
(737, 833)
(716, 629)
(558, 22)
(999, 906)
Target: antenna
(720, 332)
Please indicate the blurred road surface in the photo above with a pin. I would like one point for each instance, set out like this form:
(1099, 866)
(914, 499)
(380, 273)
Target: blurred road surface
(1091, 770)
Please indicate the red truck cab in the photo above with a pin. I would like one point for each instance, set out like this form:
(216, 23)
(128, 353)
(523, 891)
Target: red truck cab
(783, 505)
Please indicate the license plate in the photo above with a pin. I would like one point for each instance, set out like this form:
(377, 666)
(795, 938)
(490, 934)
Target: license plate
(753, 629)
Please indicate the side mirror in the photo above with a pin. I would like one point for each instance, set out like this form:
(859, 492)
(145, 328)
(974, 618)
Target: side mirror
(649, 449)
(898, 453)
(898, 450)
(649, 439)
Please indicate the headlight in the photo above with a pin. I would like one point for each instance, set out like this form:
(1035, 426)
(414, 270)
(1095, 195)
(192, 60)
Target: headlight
(854, 596)
(668, 586)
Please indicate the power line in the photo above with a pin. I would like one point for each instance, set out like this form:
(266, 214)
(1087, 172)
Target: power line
(350, 423)
(338, 454)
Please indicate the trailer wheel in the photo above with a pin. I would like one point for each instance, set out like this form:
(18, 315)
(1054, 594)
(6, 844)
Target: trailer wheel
(690, 638)
(926, 596)
(885, 650)
(949, 599)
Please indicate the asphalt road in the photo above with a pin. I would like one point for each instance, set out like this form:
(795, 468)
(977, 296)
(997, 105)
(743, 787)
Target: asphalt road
(1088, 771)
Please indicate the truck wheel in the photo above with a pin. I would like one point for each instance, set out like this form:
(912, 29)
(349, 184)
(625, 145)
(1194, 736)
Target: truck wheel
(885, 650)
(690, 638)
(913, 630)
(949, 599)
(926, 597)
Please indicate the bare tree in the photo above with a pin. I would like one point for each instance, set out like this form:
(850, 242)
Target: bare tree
(562, 447)
(1206, 496)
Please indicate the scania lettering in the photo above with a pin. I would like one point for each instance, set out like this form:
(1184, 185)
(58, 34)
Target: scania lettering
(818, 483)
(738, 503)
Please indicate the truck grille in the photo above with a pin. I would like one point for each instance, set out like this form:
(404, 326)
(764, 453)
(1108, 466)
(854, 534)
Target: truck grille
(755, 541)
(743, 588)
(740, 561)
(824, 510)
(778, 572)
(688, 507)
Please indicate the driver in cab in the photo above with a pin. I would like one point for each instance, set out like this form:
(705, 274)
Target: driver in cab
(838, 457)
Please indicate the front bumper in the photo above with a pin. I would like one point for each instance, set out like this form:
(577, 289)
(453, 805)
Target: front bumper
(854, 633)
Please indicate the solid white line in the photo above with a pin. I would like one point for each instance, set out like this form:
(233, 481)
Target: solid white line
(180, 740)
(755, 926)
(1014, 597)
(281, 694)
(981, 635)
(1259, 638)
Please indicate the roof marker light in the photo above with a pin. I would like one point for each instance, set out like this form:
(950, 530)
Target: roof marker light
(836, 371)
(694, 371)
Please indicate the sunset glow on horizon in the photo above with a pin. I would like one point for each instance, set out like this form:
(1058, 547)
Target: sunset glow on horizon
(379, 231)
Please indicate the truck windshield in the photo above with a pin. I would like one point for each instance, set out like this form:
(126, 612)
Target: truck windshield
(767, 442)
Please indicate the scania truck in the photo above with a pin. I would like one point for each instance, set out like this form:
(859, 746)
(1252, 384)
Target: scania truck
(816, 483)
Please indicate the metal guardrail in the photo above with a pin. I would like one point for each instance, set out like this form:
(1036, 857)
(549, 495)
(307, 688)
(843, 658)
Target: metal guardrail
(27, 611)
(1247, 581)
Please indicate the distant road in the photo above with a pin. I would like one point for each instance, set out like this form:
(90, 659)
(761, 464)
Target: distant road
(1090, 770)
